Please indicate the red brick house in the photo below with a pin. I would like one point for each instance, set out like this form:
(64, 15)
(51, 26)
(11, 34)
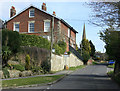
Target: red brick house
(32, 20)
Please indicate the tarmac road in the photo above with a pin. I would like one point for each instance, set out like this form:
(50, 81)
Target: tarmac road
(91, 77)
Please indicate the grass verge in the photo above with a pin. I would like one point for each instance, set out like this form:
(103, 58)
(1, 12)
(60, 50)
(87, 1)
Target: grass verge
(111, 66)
(94, 63)
(30, 81)
(78, 67)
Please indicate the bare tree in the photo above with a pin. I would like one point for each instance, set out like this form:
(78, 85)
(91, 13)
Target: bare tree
(105, 13)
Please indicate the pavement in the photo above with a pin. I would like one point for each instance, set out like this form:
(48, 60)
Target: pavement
(57, 73)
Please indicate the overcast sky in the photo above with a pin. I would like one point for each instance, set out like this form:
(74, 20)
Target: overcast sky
(74, 13)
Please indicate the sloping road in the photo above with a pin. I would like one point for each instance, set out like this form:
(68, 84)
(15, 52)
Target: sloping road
(91, 77)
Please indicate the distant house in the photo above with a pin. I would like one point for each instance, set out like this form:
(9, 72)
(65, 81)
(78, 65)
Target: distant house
(1, 24)
(33, 20)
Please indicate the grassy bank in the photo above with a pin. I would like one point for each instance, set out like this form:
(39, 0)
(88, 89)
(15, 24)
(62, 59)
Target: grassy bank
(78, 67)
(29, 81)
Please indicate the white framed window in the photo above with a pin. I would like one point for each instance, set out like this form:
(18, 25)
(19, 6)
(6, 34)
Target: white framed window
(68, 32)
(46, 25)
(16, 26)
(31, 12)
(31, 26)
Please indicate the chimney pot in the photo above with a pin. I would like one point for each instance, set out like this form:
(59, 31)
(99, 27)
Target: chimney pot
(44, 7)
(13, 7)
(54, 13)
(44, 4)
(12, 11)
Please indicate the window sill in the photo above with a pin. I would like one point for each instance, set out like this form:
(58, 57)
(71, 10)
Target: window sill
(31, 16)
(46, 31)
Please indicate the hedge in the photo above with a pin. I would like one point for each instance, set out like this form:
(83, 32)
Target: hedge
(11, 39)
(34, 40)
(14, 40)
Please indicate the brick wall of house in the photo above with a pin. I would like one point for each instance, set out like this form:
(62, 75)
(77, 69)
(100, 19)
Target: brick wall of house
(64, 32)
(39, 18)
(73, 38)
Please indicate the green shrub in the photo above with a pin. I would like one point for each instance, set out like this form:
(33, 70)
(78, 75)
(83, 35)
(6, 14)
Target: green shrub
(5, 55)
(63, 45)
(6, 72)
(85, 56)
(11, 39)
(37, 69)
(34, 40)
(27, 60)
(58, 49)
(68, 52)
(94, 63)
(45, 66)
(18, 67)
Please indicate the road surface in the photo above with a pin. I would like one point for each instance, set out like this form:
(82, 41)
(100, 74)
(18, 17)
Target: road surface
(90, 77)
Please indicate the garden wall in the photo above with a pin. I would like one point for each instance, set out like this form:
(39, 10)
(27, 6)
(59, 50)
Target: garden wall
(58, 62)
(37, 55)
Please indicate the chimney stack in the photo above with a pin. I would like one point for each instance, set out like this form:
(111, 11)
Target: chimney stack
(12, 11)
(54, 13)
(44, 7)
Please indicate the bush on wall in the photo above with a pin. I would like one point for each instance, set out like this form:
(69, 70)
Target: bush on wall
(60, 47)
(63, 45)
(34, 40)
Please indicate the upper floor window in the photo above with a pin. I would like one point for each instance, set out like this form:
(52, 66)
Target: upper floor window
(46, 25)
(16, 26)
(31, 12)
(31, 26)
(68, 32)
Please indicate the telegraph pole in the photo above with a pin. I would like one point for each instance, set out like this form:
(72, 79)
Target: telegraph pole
(52, 37)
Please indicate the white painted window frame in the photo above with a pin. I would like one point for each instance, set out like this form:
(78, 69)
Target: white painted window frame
(29, 26)
(14, 25)
(29, 13)
(44, 24)
(69, 32)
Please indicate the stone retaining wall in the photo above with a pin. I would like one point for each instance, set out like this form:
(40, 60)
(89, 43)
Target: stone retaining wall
(58, 62)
